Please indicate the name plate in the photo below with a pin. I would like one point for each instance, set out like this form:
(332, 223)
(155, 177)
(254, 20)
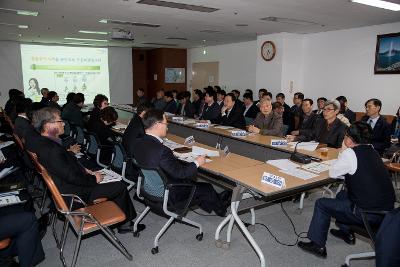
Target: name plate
(274, 180)
(177, 119)
(202, 125)
(279, 142)
(189, 140)
(239, 133)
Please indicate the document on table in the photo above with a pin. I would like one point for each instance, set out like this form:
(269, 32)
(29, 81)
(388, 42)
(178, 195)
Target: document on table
(9, 198)
(5, 144)
(171, 144)
(309, 146)
(110, 176)
(120, 126)
(199, 151)
(316, 167)
(189, 121)
(283, 164)
(305, 175)
(222, 127)
(188, 157)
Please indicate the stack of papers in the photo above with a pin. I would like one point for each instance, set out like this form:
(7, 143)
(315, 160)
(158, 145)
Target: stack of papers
(199, 151)
(2, 157)
(171, 144)
(283, 164)
(223, 127)
(304, 175)
(110, 176)
(316, 167)
(309, 146)
(9, 198)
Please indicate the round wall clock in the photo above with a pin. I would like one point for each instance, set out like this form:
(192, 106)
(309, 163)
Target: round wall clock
(268, 50)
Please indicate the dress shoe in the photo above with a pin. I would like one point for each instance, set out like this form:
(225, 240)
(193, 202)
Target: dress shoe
(349, 238)
(221, 212)
(128, 228)
(313, 248)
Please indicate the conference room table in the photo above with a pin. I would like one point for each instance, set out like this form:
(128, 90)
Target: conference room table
(244, 175)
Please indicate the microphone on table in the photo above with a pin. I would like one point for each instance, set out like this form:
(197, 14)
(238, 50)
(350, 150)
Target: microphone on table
(300, 158)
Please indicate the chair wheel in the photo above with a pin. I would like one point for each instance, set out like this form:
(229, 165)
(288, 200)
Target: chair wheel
(199, 237)
(136, 234)
(218, 243)
(154, 250)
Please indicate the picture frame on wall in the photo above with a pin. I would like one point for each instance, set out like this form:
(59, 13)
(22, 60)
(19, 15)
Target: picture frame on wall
(175, 75)
(387, 54)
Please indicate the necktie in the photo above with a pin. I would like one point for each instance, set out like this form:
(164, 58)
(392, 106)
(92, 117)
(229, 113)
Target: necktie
(370, 122)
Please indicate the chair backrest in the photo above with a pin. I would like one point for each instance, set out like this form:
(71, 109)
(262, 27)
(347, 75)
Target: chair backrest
(119, 157)
(92, 144)
(396, 157)
(153, 184)
(67, 128)
(79, 135)
(58, 199)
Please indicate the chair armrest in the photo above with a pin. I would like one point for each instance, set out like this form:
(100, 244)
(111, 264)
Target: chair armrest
(185, 209)
(367, 224)
(74, 198)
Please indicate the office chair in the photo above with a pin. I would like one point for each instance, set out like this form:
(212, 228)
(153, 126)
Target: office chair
(119, 161)
(153, 187)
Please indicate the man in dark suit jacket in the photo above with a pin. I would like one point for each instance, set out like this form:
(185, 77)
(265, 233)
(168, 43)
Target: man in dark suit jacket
(251, 110)
(380, 128)
(185, 107)
(72, 111)
(308, 118)
(287, 114)
(134, 131)
(344, 109)
(69, 175)
(22, 124)
(211, 109)
(171, 106)
(231, 114)
(150, 152)
(328, 130)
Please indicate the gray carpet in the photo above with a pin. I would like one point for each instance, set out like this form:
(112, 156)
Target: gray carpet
(179, 247)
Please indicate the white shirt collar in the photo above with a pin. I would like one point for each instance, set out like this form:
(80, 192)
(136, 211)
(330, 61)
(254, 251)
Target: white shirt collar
(23, 116)
(157, 137)
(373, 123)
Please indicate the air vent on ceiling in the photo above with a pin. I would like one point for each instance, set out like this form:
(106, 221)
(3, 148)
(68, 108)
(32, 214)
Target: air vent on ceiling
(160, 44)
(242, 25)
(291, 21)
(210, 31)
(121, 22)
(38, 1)
(178, 5)
(176, 38)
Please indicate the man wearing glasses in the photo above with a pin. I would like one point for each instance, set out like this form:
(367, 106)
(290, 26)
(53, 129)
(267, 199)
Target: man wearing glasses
(327, 130)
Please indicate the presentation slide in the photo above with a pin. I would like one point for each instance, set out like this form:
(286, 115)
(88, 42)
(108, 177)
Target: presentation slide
(65, 69)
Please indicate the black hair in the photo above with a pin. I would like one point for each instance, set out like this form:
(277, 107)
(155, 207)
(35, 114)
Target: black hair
(144, 107)
(98, 99)
(309, 100)
(12, 93)
(374, 101)
(235, 91)
(187, 94)
(51, 94)
(276, 105)
(232, 95)
(218, 88)
(322, 98)
(268, 94)
(211, 93)
(222, 92)
(169, 94)
(70, 97)
(299, 95)
(151, 117)
(78, 98)
(22, 105)
(341, 98)
(198, 92)
(248, 96)
(281, 95)
(109, 114)
(360, 132)
(248, 91)
(141, 89)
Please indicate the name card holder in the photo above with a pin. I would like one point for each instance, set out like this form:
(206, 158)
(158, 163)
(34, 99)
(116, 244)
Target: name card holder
(279, 142)
(239, 133)
(202, 125)
(273, 180)
(177, 119)
(226, 151)
(189, 140)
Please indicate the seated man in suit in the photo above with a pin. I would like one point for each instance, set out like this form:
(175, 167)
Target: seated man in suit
(151, 152)
(231, 114)
(380, 128)
(134, 131)
(328, 130)
(22, 125)
(22, 228)
(99, 102)
(159, 102)
(72, 111)
(320, 105)
(287, 116)
(69, 175)
(211, 109)
(251, 110)
(198, 102)
(344, 109)
(141, 97)
(308, 118)
(239, 103)
(170, 106)
(53, 100)
(368, 187)
(220, 97)
(267, 121)
(185, 108)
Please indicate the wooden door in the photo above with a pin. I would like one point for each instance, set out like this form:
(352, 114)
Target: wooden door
(205, 74)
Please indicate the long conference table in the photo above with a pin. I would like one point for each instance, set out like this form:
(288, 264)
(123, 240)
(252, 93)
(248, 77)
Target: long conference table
(242, 170)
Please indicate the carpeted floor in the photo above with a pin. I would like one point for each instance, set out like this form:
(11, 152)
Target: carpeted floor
(179, 247)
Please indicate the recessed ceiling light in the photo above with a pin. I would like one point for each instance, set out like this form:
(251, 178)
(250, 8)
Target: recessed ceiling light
(242, 25)
(23, 26)
(130, 23)
(19, 12)
(85, 39)
(380, 4)
(14, 25)
(93, 32)
(73, 43)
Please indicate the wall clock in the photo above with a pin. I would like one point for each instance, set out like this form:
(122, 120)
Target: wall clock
(268, 50)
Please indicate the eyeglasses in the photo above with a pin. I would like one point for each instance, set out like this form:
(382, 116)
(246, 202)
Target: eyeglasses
(57, 121)
(328, 109)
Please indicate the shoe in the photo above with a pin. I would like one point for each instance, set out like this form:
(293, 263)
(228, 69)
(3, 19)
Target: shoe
(225, 197)
(313, 248)
(349, 238)
(128, 228)
(221, 212)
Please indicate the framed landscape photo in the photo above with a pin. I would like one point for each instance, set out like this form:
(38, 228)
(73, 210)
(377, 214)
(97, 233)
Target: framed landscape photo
(387, 55)
(175, 75)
